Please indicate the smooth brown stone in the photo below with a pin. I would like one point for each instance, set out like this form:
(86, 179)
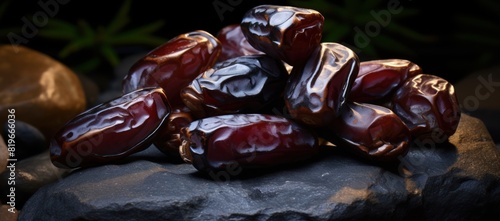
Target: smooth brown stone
(44, 92)
(4, 155)
(6, 215)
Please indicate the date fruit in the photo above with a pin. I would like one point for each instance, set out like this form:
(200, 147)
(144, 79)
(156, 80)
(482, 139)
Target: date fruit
(168, 139)
(238, 85)
(428, 105)
(112, 130)
(378, 79)
(245, 141)
(234, 43)
(174, 64)
(287, 33)
(316, 91)
(372, 131)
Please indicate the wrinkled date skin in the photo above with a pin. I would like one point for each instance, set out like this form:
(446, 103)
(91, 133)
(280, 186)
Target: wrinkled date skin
(168, 139)
(372, 131)
(174, 64)
(378, 79)
(245, 141)
(315, 93)
(284, 32)
(112, 130)
(239, 85)
(234, 43)
(428, 105)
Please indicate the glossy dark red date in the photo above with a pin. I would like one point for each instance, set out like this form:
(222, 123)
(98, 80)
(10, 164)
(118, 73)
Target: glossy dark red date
(234, 43)
(428, 105)
(378, 79)
(316, 91)
(174, 64)
(246, 141)
(373, 131)
(238, 85)
(168, 139)
(112, 130)
(288, 33)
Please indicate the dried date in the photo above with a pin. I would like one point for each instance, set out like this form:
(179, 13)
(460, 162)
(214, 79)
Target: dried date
(428, 105)
(234, 43)
(245, 141)
(239, 85)
(112, 130)
(372, 131)
(174, 64)
(316, 91)
(378, 79)
(168, 139)
(288, 33)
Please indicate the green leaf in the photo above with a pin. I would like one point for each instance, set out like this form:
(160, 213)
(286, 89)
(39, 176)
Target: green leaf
(110, 55)
(89, 65)
(75, 45)
(86, 29)
(55, 23)
(60, 30)
(121, 19)
(57, 34)
(141, 35)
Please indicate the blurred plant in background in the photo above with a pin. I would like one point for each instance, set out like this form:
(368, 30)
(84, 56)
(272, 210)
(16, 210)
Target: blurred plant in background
(101, 41)
(450, 42)
(93, 49)
(345, 19)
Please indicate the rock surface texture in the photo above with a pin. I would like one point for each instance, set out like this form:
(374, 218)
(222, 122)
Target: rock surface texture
(30, 175)
(455, 180)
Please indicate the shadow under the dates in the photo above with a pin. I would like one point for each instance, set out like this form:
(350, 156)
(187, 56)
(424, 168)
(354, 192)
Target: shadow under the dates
(427, 160)
(420, 159)
(237, 173)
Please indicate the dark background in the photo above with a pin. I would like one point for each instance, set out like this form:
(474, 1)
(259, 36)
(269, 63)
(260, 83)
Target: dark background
(461, 37)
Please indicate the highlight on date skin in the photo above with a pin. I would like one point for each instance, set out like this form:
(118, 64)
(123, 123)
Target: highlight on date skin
(112, 130)
(248, 140)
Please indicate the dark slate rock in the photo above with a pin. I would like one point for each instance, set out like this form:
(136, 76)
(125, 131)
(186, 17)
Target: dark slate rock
(30, 175)
(455, 180)
(29, 140)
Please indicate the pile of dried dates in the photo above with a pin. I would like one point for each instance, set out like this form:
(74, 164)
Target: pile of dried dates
(217, 101)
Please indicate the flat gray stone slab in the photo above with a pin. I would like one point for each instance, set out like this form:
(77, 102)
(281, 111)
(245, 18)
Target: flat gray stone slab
(455, 180)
